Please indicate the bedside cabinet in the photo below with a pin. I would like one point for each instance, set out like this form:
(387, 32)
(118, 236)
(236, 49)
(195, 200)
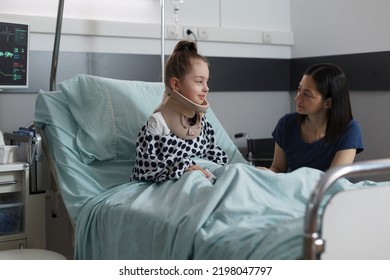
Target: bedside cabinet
(22, 213)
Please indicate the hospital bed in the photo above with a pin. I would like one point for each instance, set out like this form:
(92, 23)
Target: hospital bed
(90, 125)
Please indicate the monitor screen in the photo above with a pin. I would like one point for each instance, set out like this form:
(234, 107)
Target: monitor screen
(14, 54)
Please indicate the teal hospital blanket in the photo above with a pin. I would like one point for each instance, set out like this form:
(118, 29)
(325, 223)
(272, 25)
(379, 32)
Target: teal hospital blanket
(247, 214)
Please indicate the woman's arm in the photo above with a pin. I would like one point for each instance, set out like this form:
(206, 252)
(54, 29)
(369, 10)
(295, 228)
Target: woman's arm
(343, 157)
(279, 163)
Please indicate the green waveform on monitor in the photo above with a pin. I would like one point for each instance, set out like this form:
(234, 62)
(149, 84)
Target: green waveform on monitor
(5, 74)
(7, 33)
(6, 54)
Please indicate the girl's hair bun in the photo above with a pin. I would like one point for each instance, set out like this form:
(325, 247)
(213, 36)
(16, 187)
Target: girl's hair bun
(186, 46)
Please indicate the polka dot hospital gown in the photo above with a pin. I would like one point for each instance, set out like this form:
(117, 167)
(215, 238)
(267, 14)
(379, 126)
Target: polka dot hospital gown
(163, 157)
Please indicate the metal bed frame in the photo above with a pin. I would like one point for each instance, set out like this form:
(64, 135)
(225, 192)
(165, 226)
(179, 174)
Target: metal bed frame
(314, 245)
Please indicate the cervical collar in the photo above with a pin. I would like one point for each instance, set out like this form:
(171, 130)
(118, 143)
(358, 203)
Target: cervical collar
(183, 117)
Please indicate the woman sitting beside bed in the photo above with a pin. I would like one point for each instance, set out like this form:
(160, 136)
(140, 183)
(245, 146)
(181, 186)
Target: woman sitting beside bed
(322, 132)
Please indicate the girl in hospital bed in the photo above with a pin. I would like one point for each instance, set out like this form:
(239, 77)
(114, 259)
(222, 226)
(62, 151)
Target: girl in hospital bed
(322, 132)
(178, 131)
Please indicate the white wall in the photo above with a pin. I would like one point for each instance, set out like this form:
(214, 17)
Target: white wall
(339, 27)
(371, 109)
(229, 23)
(335, 27)
(255, 113)
(253, 14)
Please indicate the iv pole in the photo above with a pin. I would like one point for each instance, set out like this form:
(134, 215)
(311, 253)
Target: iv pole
(54, 60)
(162, 3)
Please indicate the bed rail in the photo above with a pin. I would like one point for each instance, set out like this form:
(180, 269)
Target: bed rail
(313, 244)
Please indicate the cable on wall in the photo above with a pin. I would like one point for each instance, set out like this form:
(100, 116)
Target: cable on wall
(190, 32)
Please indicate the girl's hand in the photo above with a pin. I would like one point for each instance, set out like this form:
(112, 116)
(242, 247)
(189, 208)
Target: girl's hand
(197, 167)
(261, 167)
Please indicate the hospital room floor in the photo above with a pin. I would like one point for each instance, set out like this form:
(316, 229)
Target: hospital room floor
(59, 230)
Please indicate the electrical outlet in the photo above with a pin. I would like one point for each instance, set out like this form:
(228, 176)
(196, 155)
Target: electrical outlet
(192, 35)
(173, 32)
(203, 33)
(267, 37)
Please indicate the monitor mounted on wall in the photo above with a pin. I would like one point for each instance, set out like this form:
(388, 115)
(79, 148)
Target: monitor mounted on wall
(14, 55)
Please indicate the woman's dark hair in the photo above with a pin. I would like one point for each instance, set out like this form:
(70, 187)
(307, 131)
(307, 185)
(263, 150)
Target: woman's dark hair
(179, 63)
(331, 82)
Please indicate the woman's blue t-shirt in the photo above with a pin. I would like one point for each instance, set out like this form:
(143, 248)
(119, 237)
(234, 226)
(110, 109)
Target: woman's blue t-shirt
(319, 154)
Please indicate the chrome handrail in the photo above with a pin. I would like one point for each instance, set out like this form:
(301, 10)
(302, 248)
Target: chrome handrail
(313, 244)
